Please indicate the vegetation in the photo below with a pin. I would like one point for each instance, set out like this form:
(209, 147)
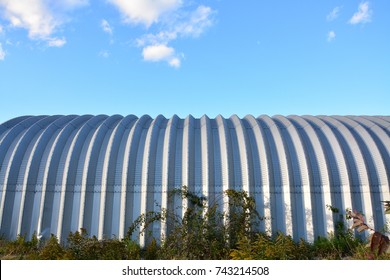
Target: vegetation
(205, 232)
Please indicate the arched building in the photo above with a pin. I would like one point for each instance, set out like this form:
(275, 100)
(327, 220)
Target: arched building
(62, 173)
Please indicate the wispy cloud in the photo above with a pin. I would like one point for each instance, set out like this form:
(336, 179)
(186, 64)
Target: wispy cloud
(175, 62)
(71, 4)
(2, 53)
(363, 14)
(56, 42)
(1, 29)
(190, 24)
(333, 14)
(41, 18)
(331, 36)
(198, 21)
(145, 12)
(106, 26)
(104, 54)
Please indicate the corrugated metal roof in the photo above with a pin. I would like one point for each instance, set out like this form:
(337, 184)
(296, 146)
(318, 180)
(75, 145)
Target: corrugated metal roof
(61, 173)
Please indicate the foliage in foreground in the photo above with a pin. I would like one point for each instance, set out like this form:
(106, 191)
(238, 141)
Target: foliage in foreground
(204, 232)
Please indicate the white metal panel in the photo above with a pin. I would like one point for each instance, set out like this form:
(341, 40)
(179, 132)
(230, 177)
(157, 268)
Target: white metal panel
(13, 193)
(207, 159)
(188, 153)
(102, 180)
(149, 170)
(168, 167)
(381, 122)
(197, 162)
(109, 210)
(357, 171)
(237, 178)
(245, 165)
(188, 157)
(318, 176)
(301, 206)
(225, 159)
(7, 149)
(96, 192)
(376, 172)
(128, 201)
(177, 203)
(280, 188)
(28, 177)
(217, 160)
(336, 164)
(19, 176)
(136, 171)
(382, 142)
(66, 203)
(261, 171)
(8, 125)
(47, 174)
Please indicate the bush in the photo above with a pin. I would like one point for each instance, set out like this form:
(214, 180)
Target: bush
(82, 247)
(203, 232)
(199, 235)
(52, 250)
(264, 247)
(20, 248)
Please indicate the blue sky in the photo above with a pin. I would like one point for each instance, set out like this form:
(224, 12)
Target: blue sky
(194, 57)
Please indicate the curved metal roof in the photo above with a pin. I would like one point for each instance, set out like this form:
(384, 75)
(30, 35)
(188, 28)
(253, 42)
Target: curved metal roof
(61, 173)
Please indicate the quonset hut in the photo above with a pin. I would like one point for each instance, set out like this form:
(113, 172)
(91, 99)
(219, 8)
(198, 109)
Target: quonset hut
(62, 173)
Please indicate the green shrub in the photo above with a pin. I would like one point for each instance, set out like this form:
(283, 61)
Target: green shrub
(52, 250)
(82, 247)
(152, 251)
(341, 244)
(133, 250)
(203, 232)
(264, 247)
(337, 247)
(199, 235)
(20, 248)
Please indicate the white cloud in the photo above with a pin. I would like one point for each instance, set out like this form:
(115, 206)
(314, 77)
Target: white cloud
(32, 15)
(41, 18)
(157, 52)
(145, 12)
(333, 14)
(175, 62)
(363, 15)
(331, 36)
(2, 53)
(1, 29)
(56, 42)
(162, 52)
(106, 26)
